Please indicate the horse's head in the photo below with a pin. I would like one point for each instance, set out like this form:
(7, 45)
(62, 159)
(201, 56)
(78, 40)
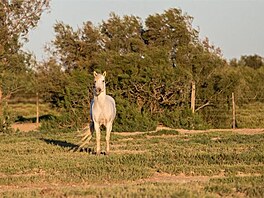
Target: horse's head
(99, 83)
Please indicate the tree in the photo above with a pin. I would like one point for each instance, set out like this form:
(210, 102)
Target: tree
(138, 62)
(17, 17)
(76, 49)
(122, 35)
(253, 61)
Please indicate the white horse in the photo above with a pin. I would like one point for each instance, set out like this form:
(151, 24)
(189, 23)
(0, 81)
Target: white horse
(102, 112)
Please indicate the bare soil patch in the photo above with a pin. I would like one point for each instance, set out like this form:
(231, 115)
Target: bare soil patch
(244, 131)
(240, 131)
(127, 151)
(181, 178)
(25, 127)
(34, 127)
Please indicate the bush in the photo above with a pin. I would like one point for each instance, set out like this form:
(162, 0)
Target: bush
(129, 118)
(67, 121)
(6, 119)
(182, 118)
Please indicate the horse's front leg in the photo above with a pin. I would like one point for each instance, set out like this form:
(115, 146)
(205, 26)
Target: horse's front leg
(98, 137)
(107, 138)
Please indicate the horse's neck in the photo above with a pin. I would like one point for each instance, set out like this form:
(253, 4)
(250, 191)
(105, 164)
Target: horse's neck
(100, 99)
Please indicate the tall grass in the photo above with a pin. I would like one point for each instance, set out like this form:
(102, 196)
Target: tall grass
(250, 115)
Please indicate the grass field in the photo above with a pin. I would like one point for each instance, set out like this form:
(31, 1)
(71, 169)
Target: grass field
(165, 163)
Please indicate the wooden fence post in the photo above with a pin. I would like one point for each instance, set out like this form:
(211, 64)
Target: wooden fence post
(0, 94)
(193, 97)
(234, 111)
(1, 102)
(1, 107)
(37, 118)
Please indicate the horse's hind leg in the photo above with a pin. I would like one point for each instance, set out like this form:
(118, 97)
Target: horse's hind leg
(107, 138)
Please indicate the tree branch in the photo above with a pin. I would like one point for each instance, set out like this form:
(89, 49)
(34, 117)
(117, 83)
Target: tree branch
(204, 105)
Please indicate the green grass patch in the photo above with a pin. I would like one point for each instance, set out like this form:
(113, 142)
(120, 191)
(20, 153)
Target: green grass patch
(250, 186)
(163, 132)
(42, 160)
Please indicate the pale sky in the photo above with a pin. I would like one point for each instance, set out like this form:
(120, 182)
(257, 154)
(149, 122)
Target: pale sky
(236, 26)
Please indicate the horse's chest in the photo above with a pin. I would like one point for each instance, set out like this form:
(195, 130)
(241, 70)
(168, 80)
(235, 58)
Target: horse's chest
(102, 118)
(100, 115)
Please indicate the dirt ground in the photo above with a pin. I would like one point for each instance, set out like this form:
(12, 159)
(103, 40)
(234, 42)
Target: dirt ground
(34, 127)
(182, 131)
(26, 127)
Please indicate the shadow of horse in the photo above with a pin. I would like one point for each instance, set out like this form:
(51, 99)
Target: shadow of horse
(68, 145)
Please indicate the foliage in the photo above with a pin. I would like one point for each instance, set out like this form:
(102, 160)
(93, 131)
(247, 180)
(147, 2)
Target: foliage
(142, 75)
(128, 118)
(150, 70)
(253, 61)
(6, 119)
(67, 92)
(17, 17)
(182, 118)
(150, 66)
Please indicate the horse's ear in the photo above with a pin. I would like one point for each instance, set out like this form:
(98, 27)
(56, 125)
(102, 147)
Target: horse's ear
(94, 73)
(104, 74)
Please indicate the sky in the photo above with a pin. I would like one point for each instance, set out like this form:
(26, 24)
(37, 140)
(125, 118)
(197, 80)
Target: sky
(236, 26)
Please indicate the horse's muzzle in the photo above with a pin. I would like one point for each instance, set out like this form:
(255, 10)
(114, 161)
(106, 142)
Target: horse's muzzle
(98, 91)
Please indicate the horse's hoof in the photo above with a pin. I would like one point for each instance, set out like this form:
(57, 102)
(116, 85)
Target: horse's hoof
(104, 153)
(75, 149)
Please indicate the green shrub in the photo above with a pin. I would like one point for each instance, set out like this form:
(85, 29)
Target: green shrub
(129, 118)
(182, 118)
(6, 119)
(67, 121)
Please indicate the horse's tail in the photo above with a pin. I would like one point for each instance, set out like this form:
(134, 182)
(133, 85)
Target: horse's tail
(91, 127)
(86, 135)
